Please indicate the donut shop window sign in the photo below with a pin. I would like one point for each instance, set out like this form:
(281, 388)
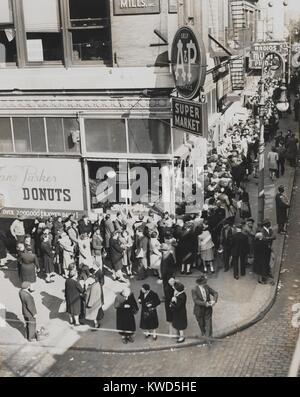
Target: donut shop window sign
(188, 61)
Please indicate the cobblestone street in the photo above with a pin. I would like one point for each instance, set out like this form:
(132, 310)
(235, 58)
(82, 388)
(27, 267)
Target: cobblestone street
(265, 349)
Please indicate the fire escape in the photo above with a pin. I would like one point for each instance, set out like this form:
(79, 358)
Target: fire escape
(238, 30)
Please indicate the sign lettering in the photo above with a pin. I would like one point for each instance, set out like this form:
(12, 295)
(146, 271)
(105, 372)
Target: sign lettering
(130, 7)
(188, 59)
(187, 115)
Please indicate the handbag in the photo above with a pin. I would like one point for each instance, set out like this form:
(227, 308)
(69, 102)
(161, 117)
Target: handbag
(139, 254)
(62, 307)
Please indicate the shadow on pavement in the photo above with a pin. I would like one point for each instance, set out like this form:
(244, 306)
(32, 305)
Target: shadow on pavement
(13, 321)
(52, 303)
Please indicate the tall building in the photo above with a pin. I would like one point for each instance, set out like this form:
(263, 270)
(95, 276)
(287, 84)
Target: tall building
(83, 85)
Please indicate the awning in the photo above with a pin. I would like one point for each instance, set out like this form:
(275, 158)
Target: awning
(226, 51)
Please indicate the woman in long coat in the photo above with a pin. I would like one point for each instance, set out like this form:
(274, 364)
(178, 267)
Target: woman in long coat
(178, 307)
(126, 307)
(149, 319)
(206, 248)
(47, 258)
(186, 249)
(116, 255)
(73, 295)
(262, 252)
(68, 251)
(28, 264)
(95, 300)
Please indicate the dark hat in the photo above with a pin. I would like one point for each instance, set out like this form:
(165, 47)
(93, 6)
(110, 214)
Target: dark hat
(25, 285)
(250, 220)
(266, 221)
(201, 280)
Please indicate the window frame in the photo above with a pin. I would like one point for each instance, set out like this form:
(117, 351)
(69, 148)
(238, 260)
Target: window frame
(23, 39)
(68, 29)
(13, 26)
(77, 153)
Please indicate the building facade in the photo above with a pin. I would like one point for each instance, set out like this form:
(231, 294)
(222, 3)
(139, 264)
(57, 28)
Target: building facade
(85, 97)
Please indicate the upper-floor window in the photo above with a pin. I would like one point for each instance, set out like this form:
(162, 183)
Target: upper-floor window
(43, 35)
(8, 50)
(89, 29)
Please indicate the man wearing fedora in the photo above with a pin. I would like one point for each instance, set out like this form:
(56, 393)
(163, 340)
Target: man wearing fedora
(28, 310)
(204, 298)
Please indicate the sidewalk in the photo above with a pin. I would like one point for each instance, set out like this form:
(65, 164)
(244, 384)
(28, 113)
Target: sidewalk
(241, 303)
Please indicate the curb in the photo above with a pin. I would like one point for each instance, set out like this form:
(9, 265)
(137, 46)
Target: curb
(234, 329)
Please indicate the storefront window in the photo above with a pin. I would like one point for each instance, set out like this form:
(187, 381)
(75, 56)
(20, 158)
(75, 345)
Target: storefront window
(178, 139)
(71, 135)
(105, 136)
(8, 50)
(37, 134)
(6, 143)
(55, 135)
(149, 136)
(89, 26)
(43, 30)
(21, 135)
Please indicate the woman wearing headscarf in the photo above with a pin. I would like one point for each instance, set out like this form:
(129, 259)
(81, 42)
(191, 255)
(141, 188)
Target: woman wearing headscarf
(206, 248)
(149, 301)
(94, 299)
(126, 308)
(178, 308)
(28, 264)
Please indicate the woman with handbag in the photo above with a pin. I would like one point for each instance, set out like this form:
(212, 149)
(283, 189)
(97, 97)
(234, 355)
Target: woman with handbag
(95, 299)
(178, 308)
(244, 206)
(206, 248)
(155, 254)
(126, 307)
(149, 301)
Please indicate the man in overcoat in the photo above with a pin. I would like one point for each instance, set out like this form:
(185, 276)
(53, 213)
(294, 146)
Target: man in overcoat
(28, 310)
(239, 252)
(204, 298)
(281, 209)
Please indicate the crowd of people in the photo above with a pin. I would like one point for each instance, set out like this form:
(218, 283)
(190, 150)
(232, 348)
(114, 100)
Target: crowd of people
(126, 246)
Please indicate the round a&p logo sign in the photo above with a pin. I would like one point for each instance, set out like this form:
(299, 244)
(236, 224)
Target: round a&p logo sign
(188, 60)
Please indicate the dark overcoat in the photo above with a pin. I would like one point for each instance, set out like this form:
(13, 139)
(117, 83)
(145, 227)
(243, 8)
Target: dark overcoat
(281, 209)
(149, 318)
(73, 296)
(179, 316)
(169, 293)
(3, 250)
(28, 263)
(262, 252)
(116, 252)
(125, 316)
(47, 256)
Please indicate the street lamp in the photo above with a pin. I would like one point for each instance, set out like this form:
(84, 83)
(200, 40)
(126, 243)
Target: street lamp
(283, 104)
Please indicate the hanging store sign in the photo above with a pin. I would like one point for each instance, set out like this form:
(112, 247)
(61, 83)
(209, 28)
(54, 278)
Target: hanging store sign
(133, 7)
(34, 187)
(188, 116)
(260, 50)
(188, 60)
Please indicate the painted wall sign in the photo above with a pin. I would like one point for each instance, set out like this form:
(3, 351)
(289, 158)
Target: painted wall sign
(38, 187)
(188, 116)
(260, 50)
(188, 59)
(132, 7)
